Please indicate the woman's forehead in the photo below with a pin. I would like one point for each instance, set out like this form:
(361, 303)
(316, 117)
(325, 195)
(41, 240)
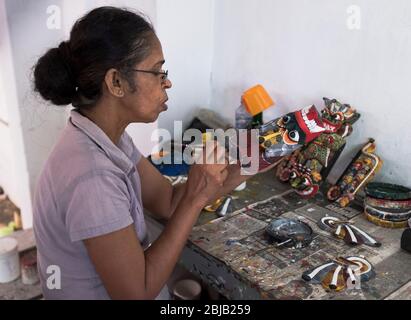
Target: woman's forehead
(155, 56)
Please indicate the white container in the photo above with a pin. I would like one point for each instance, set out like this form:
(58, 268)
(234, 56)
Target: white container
(9, 260)
(187, 289)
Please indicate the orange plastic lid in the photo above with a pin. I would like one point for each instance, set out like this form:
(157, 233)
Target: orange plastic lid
(256, 100)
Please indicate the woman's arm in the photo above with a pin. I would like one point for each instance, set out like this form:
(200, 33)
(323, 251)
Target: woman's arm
(126, 270)
(159, 196)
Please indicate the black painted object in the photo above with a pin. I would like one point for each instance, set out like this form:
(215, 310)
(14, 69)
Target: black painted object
(290, 232)
(387, 191)
(406, 240)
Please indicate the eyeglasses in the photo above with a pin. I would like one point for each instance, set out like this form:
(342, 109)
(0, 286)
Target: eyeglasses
(164, 74)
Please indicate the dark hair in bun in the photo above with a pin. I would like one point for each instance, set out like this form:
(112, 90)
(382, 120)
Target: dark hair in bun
(105, 38)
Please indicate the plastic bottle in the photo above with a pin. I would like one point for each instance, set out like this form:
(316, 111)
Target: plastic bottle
(242, 118)
(257, 120)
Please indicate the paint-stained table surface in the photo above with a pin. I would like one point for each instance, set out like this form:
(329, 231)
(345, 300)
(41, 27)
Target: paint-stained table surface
(232, 254)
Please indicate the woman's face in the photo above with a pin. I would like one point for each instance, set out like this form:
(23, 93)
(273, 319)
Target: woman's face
(150, 98)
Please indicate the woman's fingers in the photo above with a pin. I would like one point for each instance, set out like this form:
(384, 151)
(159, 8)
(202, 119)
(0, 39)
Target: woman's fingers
(216, 154)
(224, 174)
(209, 173)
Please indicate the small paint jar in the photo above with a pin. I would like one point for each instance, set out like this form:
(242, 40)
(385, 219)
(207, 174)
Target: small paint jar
(9, 260)
(187, 289)
(29, 274)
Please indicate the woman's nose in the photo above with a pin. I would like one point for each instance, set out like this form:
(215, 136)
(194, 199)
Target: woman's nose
(168, 84)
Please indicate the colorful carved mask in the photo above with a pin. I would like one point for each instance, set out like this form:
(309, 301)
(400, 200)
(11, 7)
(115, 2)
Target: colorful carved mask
(358, 173)
(338, 117)
(347, 231)
(302, 181)
(307, 168)
(340, 273)
(282, 136)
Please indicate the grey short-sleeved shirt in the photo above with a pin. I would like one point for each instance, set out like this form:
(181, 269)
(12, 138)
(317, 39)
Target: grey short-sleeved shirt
(88, 187)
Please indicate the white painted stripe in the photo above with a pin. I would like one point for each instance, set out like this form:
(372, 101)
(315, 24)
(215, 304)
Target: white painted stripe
(224, 209)
(338, 230)
(317, 270)
(404, 213)
(352, 235)
(360, 261)
(335, 276)
(330, 220)
(364, 234)
(351, 274)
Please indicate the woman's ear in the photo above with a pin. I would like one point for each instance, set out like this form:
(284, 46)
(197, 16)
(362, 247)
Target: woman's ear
(114, 83)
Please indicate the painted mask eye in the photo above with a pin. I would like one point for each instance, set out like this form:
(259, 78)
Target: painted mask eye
(307, 182)
(338, 116)
(293, 135)
(293, 175)
(291, 138)
(286, 119)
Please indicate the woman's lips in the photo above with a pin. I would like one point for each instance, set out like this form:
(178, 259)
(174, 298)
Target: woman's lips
(164, 106)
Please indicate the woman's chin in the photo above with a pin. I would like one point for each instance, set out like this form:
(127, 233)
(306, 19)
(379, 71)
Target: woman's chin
(153, 118)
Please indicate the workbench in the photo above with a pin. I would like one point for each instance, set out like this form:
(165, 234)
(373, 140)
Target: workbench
(258, 270)
(233, 256)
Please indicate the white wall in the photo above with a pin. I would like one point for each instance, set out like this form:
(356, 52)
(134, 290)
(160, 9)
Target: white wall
(6, 147)
(185, 28)
(302, 50)
(26, 116)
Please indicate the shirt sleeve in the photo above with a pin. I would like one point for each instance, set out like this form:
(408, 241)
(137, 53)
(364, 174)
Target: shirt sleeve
(100, 204)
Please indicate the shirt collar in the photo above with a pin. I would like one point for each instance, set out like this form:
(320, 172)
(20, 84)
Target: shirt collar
(121, 155)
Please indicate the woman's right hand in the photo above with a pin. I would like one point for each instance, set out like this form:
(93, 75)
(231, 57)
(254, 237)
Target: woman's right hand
(206, 177)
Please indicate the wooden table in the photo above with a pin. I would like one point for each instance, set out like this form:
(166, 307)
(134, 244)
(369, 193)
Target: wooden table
(255, 269)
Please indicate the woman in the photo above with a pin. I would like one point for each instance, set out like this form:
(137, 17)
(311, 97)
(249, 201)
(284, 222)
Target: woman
(88, 217)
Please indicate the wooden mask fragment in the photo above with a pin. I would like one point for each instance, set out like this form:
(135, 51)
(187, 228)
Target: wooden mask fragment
(347, 231)
(358, 173)
(339, 273)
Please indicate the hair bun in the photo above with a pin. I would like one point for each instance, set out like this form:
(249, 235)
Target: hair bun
(53, 76)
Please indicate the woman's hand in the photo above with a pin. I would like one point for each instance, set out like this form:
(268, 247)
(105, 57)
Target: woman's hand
(236, 177)
(206, 178)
